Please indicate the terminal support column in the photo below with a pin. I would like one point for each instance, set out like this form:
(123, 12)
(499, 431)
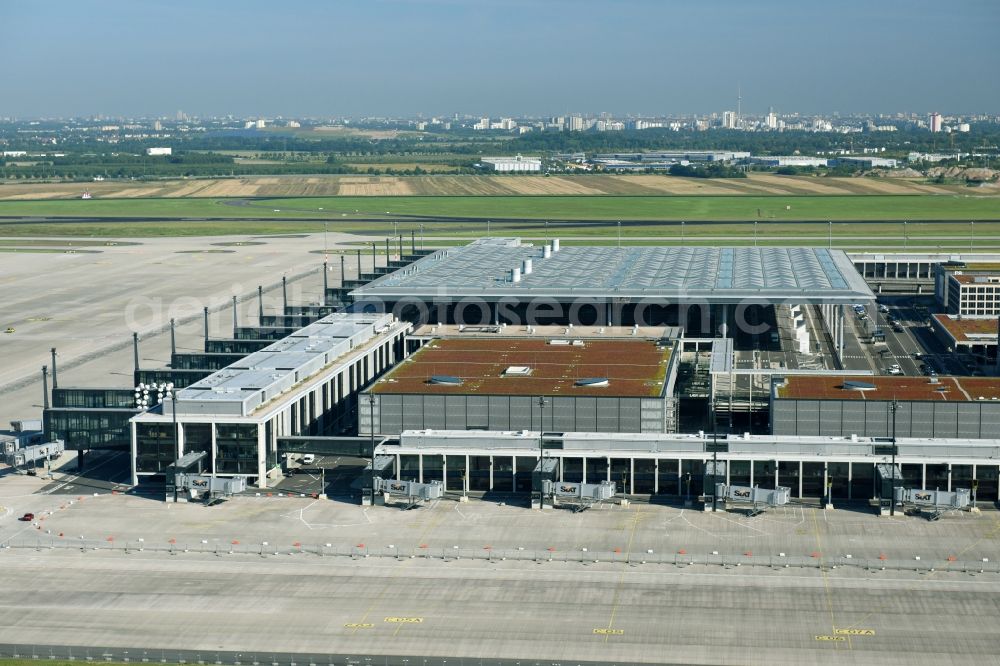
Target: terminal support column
(261, 457)
(840, 333)
(135, 475)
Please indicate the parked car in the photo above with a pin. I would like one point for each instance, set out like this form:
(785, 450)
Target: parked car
(308, 459)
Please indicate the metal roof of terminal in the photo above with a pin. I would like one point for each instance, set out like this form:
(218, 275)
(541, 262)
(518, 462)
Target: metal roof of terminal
(681, 274)
(242, 386)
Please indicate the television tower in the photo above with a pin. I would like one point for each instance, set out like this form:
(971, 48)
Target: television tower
(739, 103)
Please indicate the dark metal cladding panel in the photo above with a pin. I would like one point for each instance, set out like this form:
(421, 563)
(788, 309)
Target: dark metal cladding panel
(478, 412)
(630, 416)
(945, 419)
(607, 415)
(807, 415)
(970, 419)
(921, 420)
(413, 412)
(563, 414)
(852, 418)
(830, 419)
(499, 406)
(454, 409)
(877, 419)
(434, 412)
(783, 421)
(520, 414)
(586, 414)
(390, 411)
(990, 415)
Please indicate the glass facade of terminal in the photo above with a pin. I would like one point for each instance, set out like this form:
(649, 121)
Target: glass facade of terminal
(681, 477)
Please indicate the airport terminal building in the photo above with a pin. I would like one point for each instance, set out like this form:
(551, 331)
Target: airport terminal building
(527, 381)
(468, 365)
(303, 384)
(705, 290)
(675, 465)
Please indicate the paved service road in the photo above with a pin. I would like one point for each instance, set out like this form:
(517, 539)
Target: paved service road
(596, 612)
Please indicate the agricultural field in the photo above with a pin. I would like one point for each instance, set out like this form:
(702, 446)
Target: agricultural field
(478, 185)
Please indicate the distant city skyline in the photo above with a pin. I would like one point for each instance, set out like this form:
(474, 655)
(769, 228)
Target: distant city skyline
(519, 58)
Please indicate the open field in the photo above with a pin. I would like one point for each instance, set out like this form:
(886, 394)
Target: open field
(486, 185)
(668, 208)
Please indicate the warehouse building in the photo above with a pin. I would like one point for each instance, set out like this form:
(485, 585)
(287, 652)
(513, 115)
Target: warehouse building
(516, 164)
(789, 160)
(947, 407)
(303, 384)
(866, 162)
(674, 465)
(511, 383)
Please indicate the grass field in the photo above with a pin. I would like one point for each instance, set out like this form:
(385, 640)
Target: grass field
(853, 235)
(676, 208)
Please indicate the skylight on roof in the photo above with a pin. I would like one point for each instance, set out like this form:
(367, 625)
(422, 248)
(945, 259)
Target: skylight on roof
(854, 385)
(446, 380)
(592, 382)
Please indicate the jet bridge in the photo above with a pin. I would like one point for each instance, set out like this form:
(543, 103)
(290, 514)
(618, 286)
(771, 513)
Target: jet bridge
(758, 498)
(934, 502)
(410, 492)
(578, 496)
(208, 488)
(30, 455)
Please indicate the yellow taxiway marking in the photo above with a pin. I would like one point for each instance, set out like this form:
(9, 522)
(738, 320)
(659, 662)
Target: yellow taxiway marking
(621, 579)
(826, 585)
(359, 625)
(610, 632)
(830, 638)
(405, 620)
(855, 632)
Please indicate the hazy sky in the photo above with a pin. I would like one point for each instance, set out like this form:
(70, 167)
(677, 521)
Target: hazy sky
(510, 57)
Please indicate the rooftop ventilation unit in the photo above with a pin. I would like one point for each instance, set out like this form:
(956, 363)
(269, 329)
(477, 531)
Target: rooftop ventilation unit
(517, 371)
(595, 382)
(526, 266)
(445, 380)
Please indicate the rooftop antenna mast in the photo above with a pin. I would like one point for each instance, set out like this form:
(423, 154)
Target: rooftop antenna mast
(739, 103)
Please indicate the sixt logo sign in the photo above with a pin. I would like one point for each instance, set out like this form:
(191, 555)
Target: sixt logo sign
(397, 487)
(741, 493)
(923, 497)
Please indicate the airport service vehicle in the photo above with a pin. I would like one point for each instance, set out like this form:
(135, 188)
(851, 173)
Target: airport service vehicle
(27, 518)
(308, 459)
